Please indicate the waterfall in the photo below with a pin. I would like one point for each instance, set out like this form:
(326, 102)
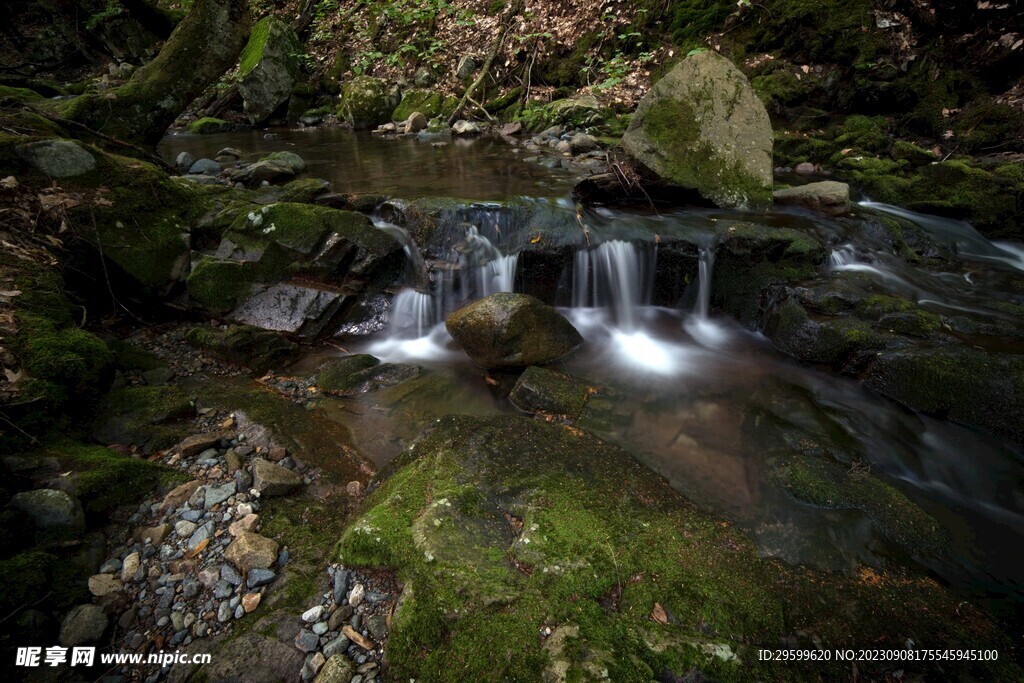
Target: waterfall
(412, 314)
(492, 271)
(704, 273)
(418, 275)
(499, 275)
(613, 275)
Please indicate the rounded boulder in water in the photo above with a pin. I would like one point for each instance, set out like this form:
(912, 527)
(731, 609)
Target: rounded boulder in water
(508, 330)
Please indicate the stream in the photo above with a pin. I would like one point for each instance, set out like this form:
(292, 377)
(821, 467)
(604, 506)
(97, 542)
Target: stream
(685, 385)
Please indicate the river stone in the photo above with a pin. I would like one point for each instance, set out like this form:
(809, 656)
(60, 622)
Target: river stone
(130, 565)
(512, 330)
(268, 68)
(366, 103)
(539, 390)
(463, 127)
(218, 494)
(184, 161)
(246, 523)
(83, 624)
(415, 123)
(50, 508)
(250, 550)
(289, 159)
(466, 68)
(259, 577)
(177, 496)
(273, 480)
(337, 669)
(827, 196)
(265, 170)
(205, 167)
(702, 127)
(424, 77)
(581, 142)
(57, 158)
(103, 584)
(196, 444)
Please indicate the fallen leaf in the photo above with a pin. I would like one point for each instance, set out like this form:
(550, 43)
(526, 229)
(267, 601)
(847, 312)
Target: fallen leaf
(659, 615)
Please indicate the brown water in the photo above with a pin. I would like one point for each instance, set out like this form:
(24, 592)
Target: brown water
(478, 168)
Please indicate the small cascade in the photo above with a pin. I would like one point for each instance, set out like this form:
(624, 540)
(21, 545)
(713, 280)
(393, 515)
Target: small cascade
(614, 276)
(412, 314)
(492, 271)
(417, 268)
(843, 256)
(499, 275)
(704, 273)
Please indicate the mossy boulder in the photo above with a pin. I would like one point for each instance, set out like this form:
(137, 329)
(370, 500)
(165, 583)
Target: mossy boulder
(57, 158)
(244, 345)
(751, 258)
(430, 103)
(268, 68)
(366, 102)
(208, 125)
(539, 390)
(702, 127)
(361, 373)
(498, 525)
(963, 384)
(512, 330)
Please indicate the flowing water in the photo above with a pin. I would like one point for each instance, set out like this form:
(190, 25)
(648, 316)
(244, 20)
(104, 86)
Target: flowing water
(687, 391)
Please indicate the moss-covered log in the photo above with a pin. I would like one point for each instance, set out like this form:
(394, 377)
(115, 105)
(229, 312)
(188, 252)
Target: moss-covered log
(203, 46)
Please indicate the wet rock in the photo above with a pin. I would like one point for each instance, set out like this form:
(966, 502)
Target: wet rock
(57, 158)
(273, 480)
(50, 509)
(265, 171)
(289, 159)
(539, 390)
(250, 551)
(83, 624)
(230, 152)
(362, 373)
(829, 197)
(269, 67)
(512, 330)
(296, 309)
(184, 161)
(205, 167)
(702, 127)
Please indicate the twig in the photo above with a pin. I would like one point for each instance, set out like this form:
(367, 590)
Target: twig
(506, 21)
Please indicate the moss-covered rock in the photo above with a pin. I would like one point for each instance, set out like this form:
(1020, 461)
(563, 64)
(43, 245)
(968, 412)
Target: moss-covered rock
(430, 103)
(366, 102)
(361, 373)
(539, 390)
(963, 384)
(499, 525)
(219, 285)
(149, 417)
(512, 330)
(268, 68)
(208, 125)
(244, 345)
(702, 127)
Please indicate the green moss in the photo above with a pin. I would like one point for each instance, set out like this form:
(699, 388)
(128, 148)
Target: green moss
(19, 94)
(219, 285)
(105, 479)
(906, 151)
(146, 416)
(304, 190)
(129, 356)
(365, 102)
(33, 572)
(337, 374)
(253, 50)
(826, 484)
(501, 527)
(877, 305)
(207, 125)
(430, 103)
(244, 345)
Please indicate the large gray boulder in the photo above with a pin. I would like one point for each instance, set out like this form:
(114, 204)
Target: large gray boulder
(57, 158)
(268, 68)
(50, 508)
(512, 330)
(703, 128)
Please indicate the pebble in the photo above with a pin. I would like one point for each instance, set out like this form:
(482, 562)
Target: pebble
(320, 628)
(110, 566)
(307, 641)
(250, 601)
(184, 528)
(336, 647)
(223, 589)
(259, 577)
(224, 612)
(355, 598)
(189, 588)
(313, 614)
(230, 574)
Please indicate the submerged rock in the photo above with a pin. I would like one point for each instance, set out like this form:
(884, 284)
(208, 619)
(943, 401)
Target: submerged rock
(702, 127)
(827, 196)
(512, 330)
(268, 68)
(361, 373)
